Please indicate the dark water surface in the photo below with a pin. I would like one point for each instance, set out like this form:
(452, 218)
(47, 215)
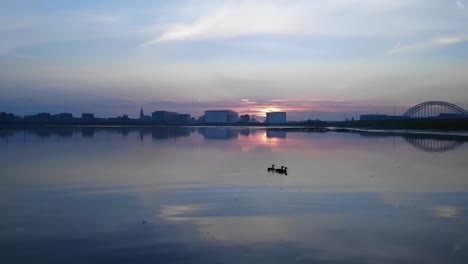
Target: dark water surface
(203, 195)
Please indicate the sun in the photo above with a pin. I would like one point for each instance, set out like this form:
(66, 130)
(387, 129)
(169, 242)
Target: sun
(268, 110)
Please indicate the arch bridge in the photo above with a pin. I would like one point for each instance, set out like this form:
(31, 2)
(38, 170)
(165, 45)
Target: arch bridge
(434, 109)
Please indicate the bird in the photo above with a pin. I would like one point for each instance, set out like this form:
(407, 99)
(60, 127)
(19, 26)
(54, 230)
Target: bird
(283, 170)
(272, 168)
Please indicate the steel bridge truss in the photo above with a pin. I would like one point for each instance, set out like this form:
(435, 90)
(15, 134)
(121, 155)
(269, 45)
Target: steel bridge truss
(433, 109)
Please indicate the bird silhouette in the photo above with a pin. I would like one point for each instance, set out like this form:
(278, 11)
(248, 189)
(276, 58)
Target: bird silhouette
(282, 170)
(272, 168)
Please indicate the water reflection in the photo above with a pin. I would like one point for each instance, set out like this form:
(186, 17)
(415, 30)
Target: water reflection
(253, 136)
(218, 133)
(203, 195)
(171, 132)
(275, 134)
(447, 211)
(434, 145)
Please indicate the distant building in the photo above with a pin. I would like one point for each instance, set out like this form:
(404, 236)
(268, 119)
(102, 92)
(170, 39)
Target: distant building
(275, 118)
(167, 117)
(8, 117)
(183, 118)
(144, 117)
(87, 117)
(164, 117)
(373, 117)
(201, 119)
(221, 116)
(380, 117)
(40, 117)
(63, 117)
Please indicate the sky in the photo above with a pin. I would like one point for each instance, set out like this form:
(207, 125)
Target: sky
(316, 59)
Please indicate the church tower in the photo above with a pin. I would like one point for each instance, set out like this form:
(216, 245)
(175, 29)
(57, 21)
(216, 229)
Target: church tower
(141, 113)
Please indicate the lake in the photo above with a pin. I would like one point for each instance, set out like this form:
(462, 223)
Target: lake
(203, 195)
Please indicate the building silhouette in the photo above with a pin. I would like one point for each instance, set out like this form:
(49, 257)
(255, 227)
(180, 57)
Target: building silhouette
(275, 118)
(166, 117)
(144, 117)
(40, 117)
(221, 116)
(87, 117)
(63, 117)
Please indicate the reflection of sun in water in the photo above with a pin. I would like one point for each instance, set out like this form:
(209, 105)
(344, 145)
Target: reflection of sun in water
(269, 140)
(258, 139)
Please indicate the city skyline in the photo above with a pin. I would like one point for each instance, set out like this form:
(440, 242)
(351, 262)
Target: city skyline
(256, 110)
(428, 110)
(312, 59)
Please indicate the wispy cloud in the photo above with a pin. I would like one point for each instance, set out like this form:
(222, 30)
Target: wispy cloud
(100, 19)
(427, 45)
(231, 20)
(397, 45)
(460, 5)
(18, 33)
(238, 18)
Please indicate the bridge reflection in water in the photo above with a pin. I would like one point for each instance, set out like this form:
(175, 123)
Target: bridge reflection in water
(433, 145)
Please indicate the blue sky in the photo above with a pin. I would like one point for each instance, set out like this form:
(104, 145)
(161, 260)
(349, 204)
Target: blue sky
(315, 59)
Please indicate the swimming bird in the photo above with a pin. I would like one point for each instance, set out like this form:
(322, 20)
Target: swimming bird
(272, 168)
(283, 170)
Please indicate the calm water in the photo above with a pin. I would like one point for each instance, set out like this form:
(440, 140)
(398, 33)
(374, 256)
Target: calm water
(203, 195)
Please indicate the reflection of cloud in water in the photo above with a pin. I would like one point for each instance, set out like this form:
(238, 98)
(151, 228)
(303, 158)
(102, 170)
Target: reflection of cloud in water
(246, 229)
(233, 229)
(334, 236)
(445, 211)
(178, 212)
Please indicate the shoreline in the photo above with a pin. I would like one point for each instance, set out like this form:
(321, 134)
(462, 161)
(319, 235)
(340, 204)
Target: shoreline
(395, 132)
(462, 134)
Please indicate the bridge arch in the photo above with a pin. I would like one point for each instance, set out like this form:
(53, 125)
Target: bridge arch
(434, 109)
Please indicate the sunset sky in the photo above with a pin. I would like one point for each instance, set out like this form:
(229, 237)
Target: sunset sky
(315, 59)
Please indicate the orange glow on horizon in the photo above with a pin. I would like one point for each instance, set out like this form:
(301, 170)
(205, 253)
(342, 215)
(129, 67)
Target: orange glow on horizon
(264, 111)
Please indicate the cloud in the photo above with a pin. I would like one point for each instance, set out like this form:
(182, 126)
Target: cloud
(427, 45)
(100, 19)
(397, 45)
(231, 20)
(239, 18)
(18, 34)
(460, 5)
